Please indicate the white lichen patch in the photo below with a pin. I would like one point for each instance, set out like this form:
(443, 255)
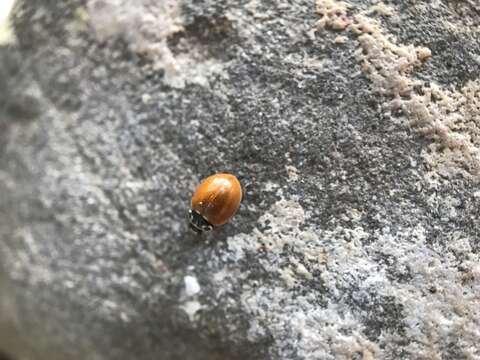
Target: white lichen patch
(6, 32)
(317, 303)
(450, 118)
(146, 26)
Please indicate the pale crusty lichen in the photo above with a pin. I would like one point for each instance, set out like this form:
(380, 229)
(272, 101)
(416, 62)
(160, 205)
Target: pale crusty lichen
(334, 14)
(440, 303)
(147, 26)
(332, 331)
(448, 117)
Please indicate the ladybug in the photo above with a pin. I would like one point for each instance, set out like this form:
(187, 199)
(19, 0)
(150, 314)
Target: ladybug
(214, 202)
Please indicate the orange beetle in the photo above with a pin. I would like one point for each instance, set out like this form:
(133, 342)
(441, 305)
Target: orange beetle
(214, 202)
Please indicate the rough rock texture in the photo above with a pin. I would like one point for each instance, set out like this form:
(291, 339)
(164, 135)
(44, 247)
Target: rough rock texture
(353, 126)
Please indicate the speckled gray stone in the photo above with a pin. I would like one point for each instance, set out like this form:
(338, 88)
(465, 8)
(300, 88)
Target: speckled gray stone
(353, 127)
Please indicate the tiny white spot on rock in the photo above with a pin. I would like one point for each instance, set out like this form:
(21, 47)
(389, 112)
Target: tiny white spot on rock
(124, 317)
(192, 287)
(191, 308)
(146, 98)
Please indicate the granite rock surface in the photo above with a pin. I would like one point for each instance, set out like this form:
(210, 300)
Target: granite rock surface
(353, 126)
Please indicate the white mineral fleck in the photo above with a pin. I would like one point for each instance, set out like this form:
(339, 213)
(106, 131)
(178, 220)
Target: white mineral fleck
(191, 308)
(192, 287)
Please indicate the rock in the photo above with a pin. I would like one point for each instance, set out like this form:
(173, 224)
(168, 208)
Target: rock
(353, 127)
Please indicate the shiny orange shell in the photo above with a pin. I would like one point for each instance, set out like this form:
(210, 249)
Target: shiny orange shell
(217, 198)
